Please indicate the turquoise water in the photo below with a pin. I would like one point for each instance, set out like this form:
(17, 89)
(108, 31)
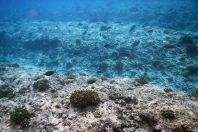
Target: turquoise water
(128, 38)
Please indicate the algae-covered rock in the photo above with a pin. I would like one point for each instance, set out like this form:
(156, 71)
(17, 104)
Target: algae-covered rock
(91, 80)
(182, 128)
(41, 85)
(115, 96)
(97, 114)
(148, 117)
(110, 126)
(6, 92)
(49, 73)
(168, 114)
(20, 116)
(142, 80)
(84, 98)
(70, 76)
(168, 90)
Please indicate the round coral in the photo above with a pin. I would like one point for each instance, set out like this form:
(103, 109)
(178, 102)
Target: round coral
(84, 98)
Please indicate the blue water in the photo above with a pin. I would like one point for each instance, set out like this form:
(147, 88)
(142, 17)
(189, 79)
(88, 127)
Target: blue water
(177, 14)
(128, 38)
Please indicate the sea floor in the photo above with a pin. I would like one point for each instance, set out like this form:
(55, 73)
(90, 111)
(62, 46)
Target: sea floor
(146, 77)
(111, 49)
(125, 104)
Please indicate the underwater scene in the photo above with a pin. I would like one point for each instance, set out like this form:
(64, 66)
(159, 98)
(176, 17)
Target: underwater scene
(99, 66)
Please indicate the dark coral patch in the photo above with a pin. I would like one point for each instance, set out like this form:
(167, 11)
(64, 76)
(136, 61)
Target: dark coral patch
(84, 98)
(20, 116)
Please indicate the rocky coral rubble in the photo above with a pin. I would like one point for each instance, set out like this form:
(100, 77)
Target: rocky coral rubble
(71, 104)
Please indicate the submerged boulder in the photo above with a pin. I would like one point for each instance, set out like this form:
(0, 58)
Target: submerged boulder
(168, 114)
(41, 85)
(49, 73)
(91, 80)
(7, 92)
(148, 117)
(142, 80)
(182, 128)
(110, 126)
(168, 90)
(122, 99)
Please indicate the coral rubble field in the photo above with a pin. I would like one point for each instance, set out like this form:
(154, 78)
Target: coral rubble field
(49, 101)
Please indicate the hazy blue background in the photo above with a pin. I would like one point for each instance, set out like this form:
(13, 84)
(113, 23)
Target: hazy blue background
(177, 14)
